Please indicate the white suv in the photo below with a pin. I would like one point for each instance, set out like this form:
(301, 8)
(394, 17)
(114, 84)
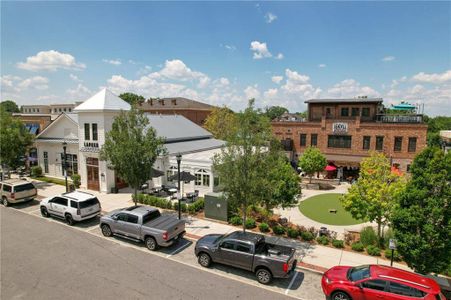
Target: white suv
(72, 207)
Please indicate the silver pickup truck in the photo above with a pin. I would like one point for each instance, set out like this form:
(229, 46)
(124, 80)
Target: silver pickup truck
(143, 223)
(249, 251)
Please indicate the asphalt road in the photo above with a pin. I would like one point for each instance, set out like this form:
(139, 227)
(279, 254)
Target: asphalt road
(40, 259)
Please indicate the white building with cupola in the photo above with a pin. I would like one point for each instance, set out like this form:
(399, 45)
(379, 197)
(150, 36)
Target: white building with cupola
(83, 133)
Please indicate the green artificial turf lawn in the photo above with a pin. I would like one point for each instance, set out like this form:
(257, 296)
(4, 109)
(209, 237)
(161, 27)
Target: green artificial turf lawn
(317, 209)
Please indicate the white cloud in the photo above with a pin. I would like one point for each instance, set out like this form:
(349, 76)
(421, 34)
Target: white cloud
(388, 58)
(228, 47)
(222, 82)
(177, 70)
(279, 56)
(36, 82)
(434, 78)
(75, 78)
(50, 61)
(115, 62)
(252, 92)
(270, 93)
(80, 92)
(277, 79)
(350, 88)
(298, 85)
(322, 65)
(132, 62)
(260, 50)
(270, 17)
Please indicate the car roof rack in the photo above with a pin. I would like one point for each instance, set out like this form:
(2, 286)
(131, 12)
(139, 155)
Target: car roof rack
(405, 280)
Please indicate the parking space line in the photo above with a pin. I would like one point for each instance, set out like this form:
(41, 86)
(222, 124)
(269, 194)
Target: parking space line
(291, 283)
(178, 249)
(34, 211)
(91, 229)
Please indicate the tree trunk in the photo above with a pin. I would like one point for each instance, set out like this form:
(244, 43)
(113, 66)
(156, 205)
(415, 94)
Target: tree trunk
(136, 197)
(310, 178)
(379, 225)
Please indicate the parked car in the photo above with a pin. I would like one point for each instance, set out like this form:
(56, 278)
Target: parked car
(143, 223)
(377, 282)
(73, 207)
(16, 191)
(247, 251)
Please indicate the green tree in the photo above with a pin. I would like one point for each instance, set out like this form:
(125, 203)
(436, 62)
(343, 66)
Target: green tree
(14, 140)
(373, 195)
(434, 126)
(422, 217)
(273, 112)
(221, 122)
(240, 163)
(303, 114)
(9, 106)
(311, 161)
(132, 146)
(132, 99)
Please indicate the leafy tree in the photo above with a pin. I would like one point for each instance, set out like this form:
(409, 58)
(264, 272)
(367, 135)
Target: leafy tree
(422, 216)
(9, 106)
(434, 126)
(222, 123)
(311, 161)
(373, 195)
(132, 146)
(273, 112)
(132, 99)
(14, 140)
(303, 114)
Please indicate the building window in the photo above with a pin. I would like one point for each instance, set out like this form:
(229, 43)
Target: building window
(202, 178)
(366, 142)
(328, 114)
(87, 138)
(365, 112)
(172, 171)
(339, 141)
(94, 132)
(344, 111)
(355, 112)
(59, 109)
(379, 143)
(64, 109)
(412, 144)
(38, 109)
(303, 139)
(398, 143)
(314, 139)
(46, 162)
(71, 164)
(70, 109)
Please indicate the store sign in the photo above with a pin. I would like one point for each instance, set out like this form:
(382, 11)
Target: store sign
(340, 127)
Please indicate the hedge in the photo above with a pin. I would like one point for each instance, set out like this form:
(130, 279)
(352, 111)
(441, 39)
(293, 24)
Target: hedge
(264, 227)
(373, 250)
(357, 246)
(338, 243)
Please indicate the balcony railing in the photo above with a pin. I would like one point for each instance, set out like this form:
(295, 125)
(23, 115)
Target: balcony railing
(399, 118)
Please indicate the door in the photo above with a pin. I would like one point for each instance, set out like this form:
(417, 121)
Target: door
(92, 171)
(226, 253)
(375, 289)
(245, 257)
(58, 206)
(127, 224)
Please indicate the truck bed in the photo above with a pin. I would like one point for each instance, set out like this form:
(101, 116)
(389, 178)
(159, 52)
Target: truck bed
(164, 223)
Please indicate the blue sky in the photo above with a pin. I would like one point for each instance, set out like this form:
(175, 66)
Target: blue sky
(280, 53)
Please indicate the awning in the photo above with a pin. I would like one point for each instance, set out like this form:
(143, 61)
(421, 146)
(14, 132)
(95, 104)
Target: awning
(330, 168)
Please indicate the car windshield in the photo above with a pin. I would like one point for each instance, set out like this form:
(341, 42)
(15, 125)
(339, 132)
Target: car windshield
(88, 203)
(151, 216)
(23, 187)
(359, 273)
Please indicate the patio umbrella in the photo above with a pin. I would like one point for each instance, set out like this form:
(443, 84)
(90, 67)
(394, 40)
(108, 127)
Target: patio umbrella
(184, 176)
(156, 173)
(330, 168)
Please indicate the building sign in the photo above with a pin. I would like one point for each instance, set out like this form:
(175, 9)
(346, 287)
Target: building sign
(339, 128)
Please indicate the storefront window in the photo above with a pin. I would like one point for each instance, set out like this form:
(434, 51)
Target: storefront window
(339, 141)
(71, 164)
(202, 178)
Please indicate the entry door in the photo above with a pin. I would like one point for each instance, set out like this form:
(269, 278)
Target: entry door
(93, 178)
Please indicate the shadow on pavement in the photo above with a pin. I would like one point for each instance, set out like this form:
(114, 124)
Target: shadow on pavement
(23, 205)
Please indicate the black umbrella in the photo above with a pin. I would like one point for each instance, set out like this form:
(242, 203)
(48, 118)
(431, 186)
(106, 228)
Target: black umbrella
(184, 176)
(156, 173)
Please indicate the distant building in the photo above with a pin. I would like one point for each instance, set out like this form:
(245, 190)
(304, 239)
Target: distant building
(445, 138)
(194, 111)
(345, 130)
(287, 117)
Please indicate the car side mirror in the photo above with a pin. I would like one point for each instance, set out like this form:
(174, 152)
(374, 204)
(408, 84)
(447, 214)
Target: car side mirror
(360, 285)
(114, 218)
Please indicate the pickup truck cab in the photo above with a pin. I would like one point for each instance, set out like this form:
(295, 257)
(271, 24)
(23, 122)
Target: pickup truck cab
(143, 223)
(248, 251)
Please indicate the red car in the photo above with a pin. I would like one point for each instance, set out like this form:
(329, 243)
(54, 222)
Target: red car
(376, 282)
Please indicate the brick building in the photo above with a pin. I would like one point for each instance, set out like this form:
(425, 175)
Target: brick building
(194, 111)
(345, 130)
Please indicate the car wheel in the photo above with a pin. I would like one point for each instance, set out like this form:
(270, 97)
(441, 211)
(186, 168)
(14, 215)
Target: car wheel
(263, 276)
(106, 230)
(151, 244)
(69, 219)
(204, 260)
(44, 212)
(5, 201)
(339, 295)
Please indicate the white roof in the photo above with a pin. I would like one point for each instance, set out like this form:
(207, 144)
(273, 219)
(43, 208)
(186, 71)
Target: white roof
(78, 195)
(104, 100)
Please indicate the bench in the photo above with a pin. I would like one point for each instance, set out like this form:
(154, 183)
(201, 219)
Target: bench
(333, 210)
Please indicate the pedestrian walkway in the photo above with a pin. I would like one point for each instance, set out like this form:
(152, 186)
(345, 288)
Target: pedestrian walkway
(316, 257)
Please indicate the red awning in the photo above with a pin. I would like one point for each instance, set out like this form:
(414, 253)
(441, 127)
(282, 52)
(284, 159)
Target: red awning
(330, 168)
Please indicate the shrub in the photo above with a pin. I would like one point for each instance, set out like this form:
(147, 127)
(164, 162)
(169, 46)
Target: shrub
(396, 256)
(191, 209)
(323, 240)
(250, 223)
(357, 246)
(236, 220)
(264, 227)
(292, 233)
(278, 229)
(183, 206)
(307, 236)
(36, 171)
(373, 250)
(338, 243)
(76, 180)
(368, 236)
(349, 238)
(199, 204)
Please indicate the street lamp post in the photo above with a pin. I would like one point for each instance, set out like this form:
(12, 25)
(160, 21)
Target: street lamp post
(179, 159)
(64, 164)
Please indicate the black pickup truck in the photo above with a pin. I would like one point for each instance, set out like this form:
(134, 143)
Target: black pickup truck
(249, 251)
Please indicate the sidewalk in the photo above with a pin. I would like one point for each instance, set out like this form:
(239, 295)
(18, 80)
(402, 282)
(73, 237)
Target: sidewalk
(313, 257)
